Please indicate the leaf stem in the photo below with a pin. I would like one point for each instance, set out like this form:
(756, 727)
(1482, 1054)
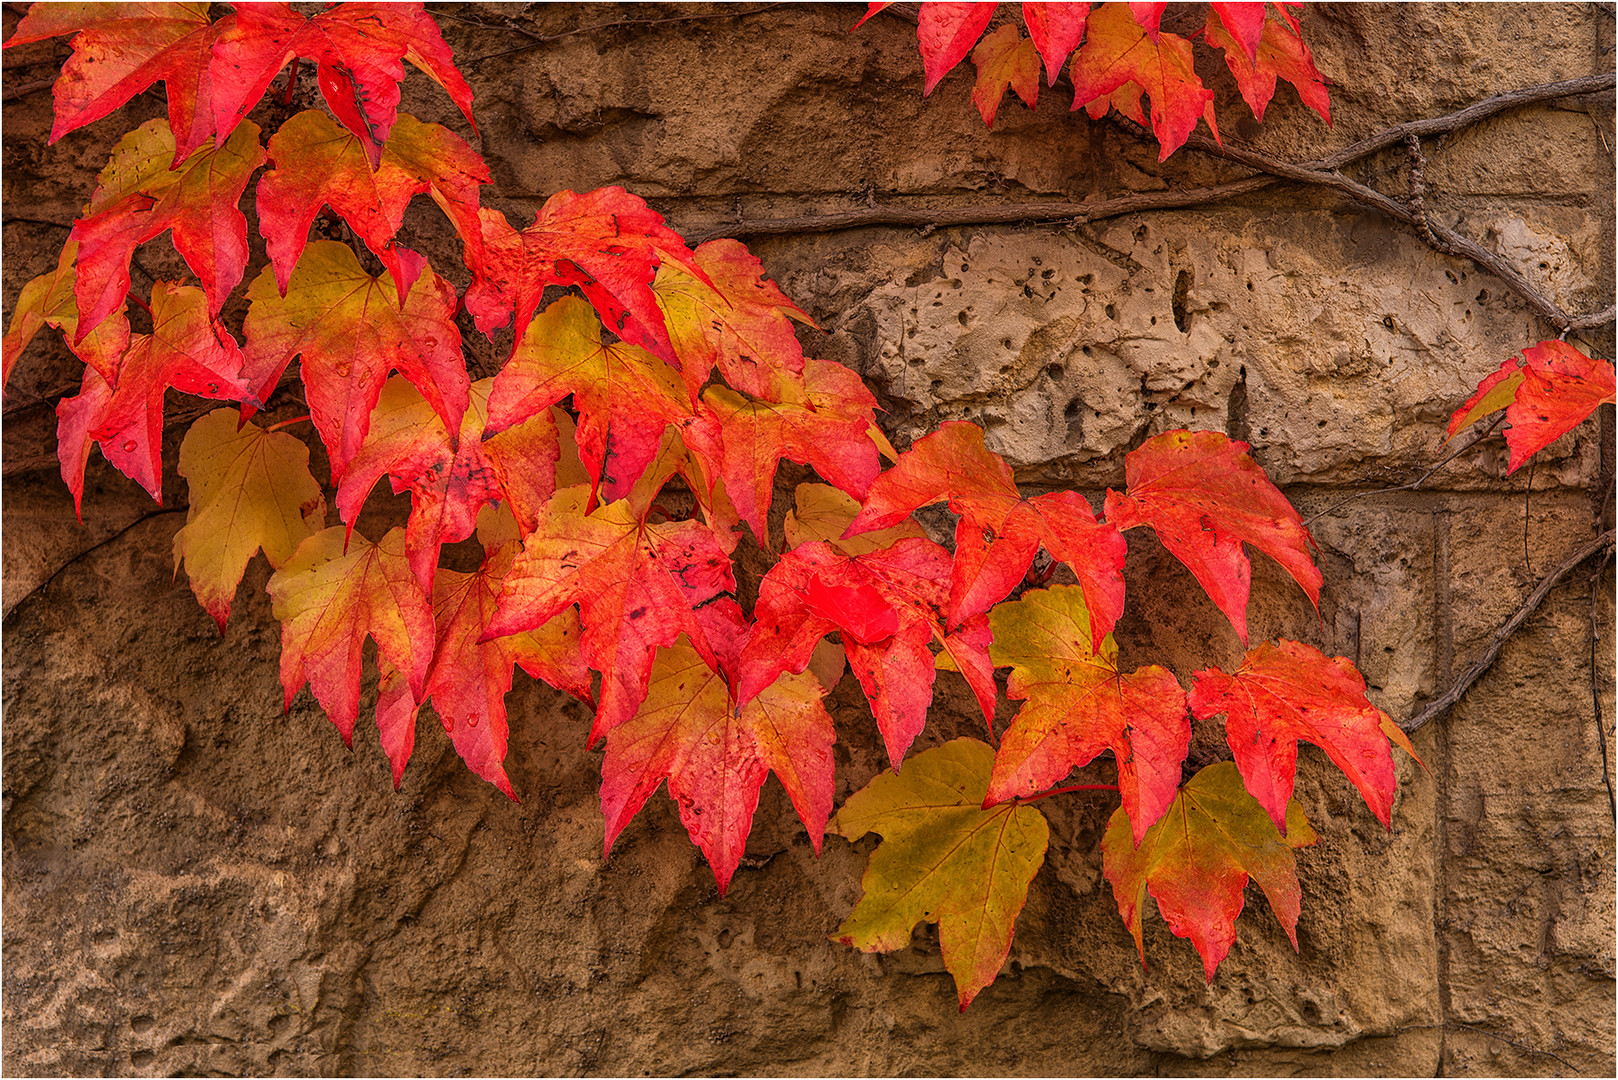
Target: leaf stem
(1022, 800)
(289, 423)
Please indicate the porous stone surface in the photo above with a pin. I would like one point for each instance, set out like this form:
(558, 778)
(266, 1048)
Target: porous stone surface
(198, 881)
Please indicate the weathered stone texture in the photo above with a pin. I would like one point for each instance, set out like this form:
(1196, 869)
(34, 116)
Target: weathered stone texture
(195, 881)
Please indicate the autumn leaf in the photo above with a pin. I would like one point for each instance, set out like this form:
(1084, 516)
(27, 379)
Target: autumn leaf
(824, 513)
(318, 164)
(1290, 691)
(742, 321)
(607, 242)
(48, 301)
(351, 331)
(363, 46)
(716, 755)
(635, 582)
(121, 49)
(886, 606)
(449, 480)
(1056, 30)
(470, 677)
(999, 531)
(1547, 393)
(139, 197)
(1280, 52)
(335, 591)
(1242, 22)
(623, 394)
(944, 859)
(1117, 51)
(947, 32)
(1196, 861)
(1078, 704)
(249, 489)
(1204, 496)
(1004, 59)
(825, 426)
(186, 350)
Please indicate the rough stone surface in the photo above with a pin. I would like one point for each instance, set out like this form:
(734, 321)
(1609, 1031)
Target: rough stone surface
(197, 882)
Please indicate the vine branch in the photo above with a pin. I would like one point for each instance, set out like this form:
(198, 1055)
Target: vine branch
(1435, 709)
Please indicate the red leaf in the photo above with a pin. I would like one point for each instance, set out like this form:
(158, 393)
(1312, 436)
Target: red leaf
(1117, 52)
(351, 331)
(716, 755)
(607, 242)
(1204, 496)
(1290, 691)
(947, 32)
(624, 395)
(858, 610)
(635, 583)
(999, 531)
(896, 671)
(1280, 52)
(317, 164)
(1056, 29)
(1495, 392)
(120, 50)
(826, 425)
(185, 350)
(470, 677)
(138, 197)
(1244, 22)
(333, 593)
(1197, 860)
(1561, 386)
(365, 43)
(1079, 704)
(449, 479)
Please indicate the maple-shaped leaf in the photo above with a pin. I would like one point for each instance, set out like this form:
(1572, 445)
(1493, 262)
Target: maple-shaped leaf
(715, 755)
(249, 489)
(886, 606)
(337, 590)
(944, 859)
(1056, 30)
(1546, 393)
(1005, 59)
(1204, 496)
(607, 242)
(48, 301)
(1078, 704)
(635, 582)
(121, 49)
(623, 394)
(351, 331)
(138, 197)
(319, 164)
(1290, 691)
(742, 321)
(999, 531)
(449, 479)
(470, 677)
(361, 47)
(1118, 50)
(1196, 861)
(1280, 52)
(825, 513)
(947, 32)
(185, 350)
(826, 426)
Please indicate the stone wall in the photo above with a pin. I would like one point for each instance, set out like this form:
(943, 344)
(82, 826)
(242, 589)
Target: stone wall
(195, 882)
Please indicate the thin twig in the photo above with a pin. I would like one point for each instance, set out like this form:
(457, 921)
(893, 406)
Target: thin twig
(1509, 627)
(12, 93)
(1418, 481)
(1595, 685)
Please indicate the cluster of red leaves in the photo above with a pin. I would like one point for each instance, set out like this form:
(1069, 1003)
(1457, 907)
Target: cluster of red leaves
(664, 361)
(1119, 52)
(1546, 393)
